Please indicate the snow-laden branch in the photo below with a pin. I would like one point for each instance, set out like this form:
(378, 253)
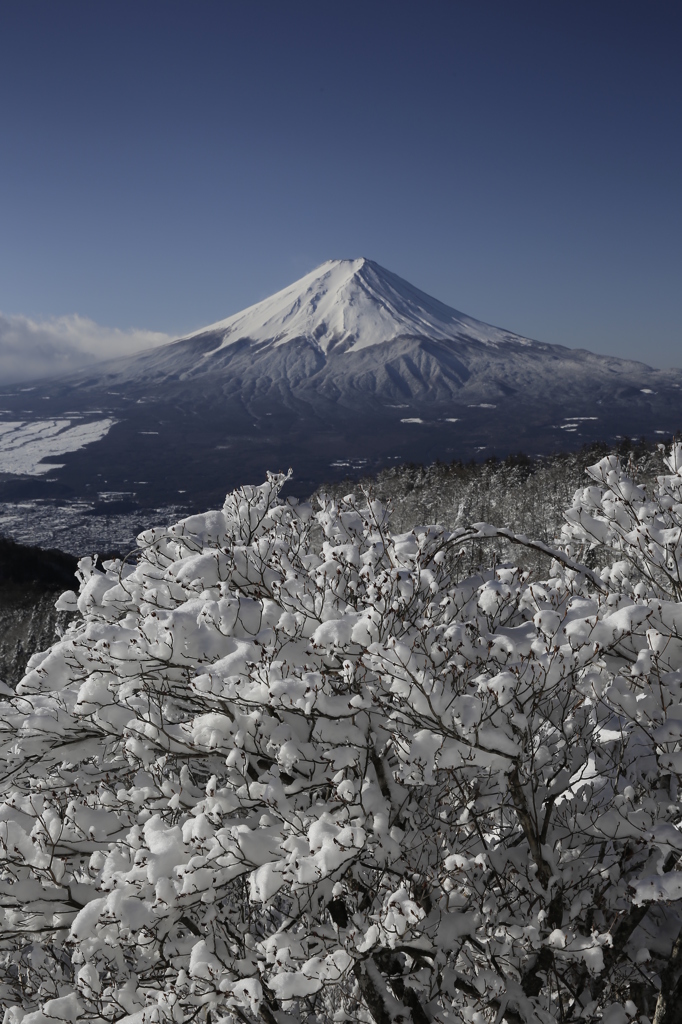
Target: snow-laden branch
(266, 776)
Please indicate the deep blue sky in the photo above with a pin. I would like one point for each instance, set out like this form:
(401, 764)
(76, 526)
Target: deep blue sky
(164, 164)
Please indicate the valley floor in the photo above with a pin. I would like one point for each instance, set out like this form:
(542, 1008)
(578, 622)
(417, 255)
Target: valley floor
(77, 527)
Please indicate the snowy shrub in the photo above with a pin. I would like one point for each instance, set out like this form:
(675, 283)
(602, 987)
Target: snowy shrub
(290, 766)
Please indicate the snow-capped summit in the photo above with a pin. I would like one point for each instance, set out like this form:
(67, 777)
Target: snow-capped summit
(348, 305)
(349, 368)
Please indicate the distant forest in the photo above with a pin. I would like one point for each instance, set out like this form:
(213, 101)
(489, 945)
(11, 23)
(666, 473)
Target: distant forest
(528, 496)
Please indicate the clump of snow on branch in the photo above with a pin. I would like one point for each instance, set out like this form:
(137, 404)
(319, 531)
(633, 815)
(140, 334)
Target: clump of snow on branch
(289, 766)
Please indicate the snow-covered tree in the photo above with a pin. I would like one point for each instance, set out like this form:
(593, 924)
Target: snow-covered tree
(288, 766)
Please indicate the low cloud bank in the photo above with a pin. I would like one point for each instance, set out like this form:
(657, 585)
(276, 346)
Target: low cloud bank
(31, 349)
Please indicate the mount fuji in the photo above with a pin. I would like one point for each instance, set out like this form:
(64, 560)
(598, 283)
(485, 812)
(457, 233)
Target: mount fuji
(348, 369)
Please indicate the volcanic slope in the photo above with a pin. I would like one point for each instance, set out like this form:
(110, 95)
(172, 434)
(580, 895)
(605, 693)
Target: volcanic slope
(347, 369)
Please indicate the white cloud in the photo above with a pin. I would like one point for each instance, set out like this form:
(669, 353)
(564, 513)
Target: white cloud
(31, 349)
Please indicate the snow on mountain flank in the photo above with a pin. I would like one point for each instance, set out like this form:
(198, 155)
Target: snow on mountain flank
(351, 304)
(319, 377)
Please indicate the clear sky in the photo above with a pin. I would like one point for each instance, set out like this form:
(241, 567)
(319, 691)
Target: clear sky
(164, 164)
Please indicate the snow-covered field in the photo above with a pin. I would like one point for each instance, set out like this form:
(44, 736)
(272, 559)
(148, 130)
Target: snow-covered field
(24, 445)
